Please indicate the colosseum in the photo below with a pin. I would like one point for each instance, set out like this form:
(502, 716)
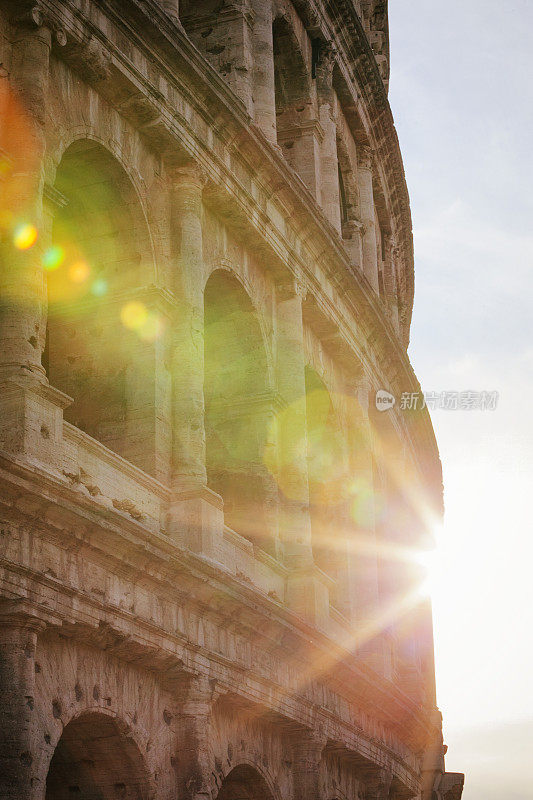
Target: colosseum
(209, 583)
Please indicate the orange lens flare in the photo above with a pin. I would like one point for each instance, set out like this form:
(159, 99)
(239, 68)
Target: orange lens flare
(79, 272)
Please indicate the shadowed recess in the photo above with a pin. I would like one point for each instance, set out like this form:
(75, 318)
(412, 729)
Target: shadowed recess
(244, 783)
(237, 405)
(99, 347)
(96, 760)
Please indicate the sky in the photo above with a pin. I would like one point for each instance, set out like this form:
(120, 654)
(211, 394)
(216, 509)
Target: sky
(462, 96)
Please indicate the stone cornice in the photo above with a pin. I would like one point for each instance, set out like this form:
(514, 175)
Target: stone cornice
(75, 523)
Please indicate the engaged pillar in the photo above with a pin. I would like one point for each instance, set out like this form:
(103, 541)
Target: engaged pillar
(366, 207)
(366, 604)
(306, 757)
(307, 587)
(193, 741)
(264, 93)
(329, 161)
(31, 416)
(196, 516)
(18, 745)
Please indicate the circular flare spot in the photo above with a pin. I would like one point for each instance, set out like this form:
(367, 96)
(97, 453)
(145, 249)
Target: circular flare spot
(79, 271)
(99, 287)
(152, 328)
(53, 257)
(25, 236)
(134, 315)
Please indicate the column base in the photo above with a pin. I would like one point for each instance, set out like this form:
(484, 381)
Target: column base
(196, 521)
(31, 421)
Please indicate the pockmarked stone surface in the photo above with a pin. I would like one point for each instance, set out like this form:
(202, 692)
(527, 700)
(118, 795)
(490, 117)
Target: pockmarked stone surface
(210, 531)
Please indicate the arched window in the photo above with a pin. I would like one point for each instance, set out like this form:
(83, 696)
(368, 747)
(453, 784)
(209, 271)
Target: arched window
(237, 408)
(96, 758)
(100, 341)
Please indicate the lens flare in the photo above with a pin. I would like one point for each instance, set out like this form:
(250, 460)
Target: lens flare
(25, 236)
(53, 257)
(5, 167)
(79, 271)
(99, 287)
(152, 328)
(134, 315)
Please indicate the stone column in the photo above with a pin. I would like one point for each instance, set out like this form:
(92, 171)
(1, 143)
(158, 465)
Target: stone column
(264, 93)
(329, 161)
(292, 433)
(17, 714)
(301, 145)
(193, 722)
(306, 757)
(31, 420)
(196, 516)
(224, 36)
(366, 206)
(21, 277)
(363, 564)
(307, 588)
(389, 280)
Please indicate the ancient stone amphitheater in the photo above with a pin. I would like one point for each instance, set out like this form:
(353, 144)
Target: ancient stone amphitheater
(209, 583)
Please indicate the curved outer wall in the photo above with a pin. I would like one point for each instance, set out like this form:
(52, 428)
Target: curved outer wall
(209, 531)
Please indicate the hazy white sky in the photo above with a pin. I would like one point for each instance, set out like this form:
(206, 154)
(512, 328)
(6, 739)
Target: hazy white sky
(462, 97)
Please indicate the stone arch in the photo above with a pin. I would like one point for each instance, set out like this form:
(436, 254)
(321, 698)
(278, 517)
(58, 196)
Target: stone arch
(89, 133)
(291, 75)
(328, 472)
(248, 286)
(238, 408)
(97, 757)
(292, 83)
(246, 782)
(101, 250)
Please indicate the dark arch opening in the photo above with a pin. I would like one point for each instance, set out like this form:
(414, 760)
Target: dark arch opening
(95, 759)
(237, 409)
(244, 783)
(100, 243)
(292, 87)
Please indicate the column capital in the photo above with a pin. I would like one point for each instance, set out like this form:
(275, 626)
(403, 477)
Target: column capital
(310, 741)
(23, 615)
(324, 67)
(291, 289)
(364, 156)
(31, 16)
(191, 175)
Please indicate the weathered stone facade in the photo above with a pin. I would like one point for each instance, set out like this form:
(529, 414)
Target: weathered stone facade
(206, 274)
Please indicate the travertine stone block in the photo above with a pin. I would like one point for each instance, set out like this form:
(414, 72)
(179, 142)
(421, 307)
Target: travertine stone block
(196, 520)
(31, 422)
